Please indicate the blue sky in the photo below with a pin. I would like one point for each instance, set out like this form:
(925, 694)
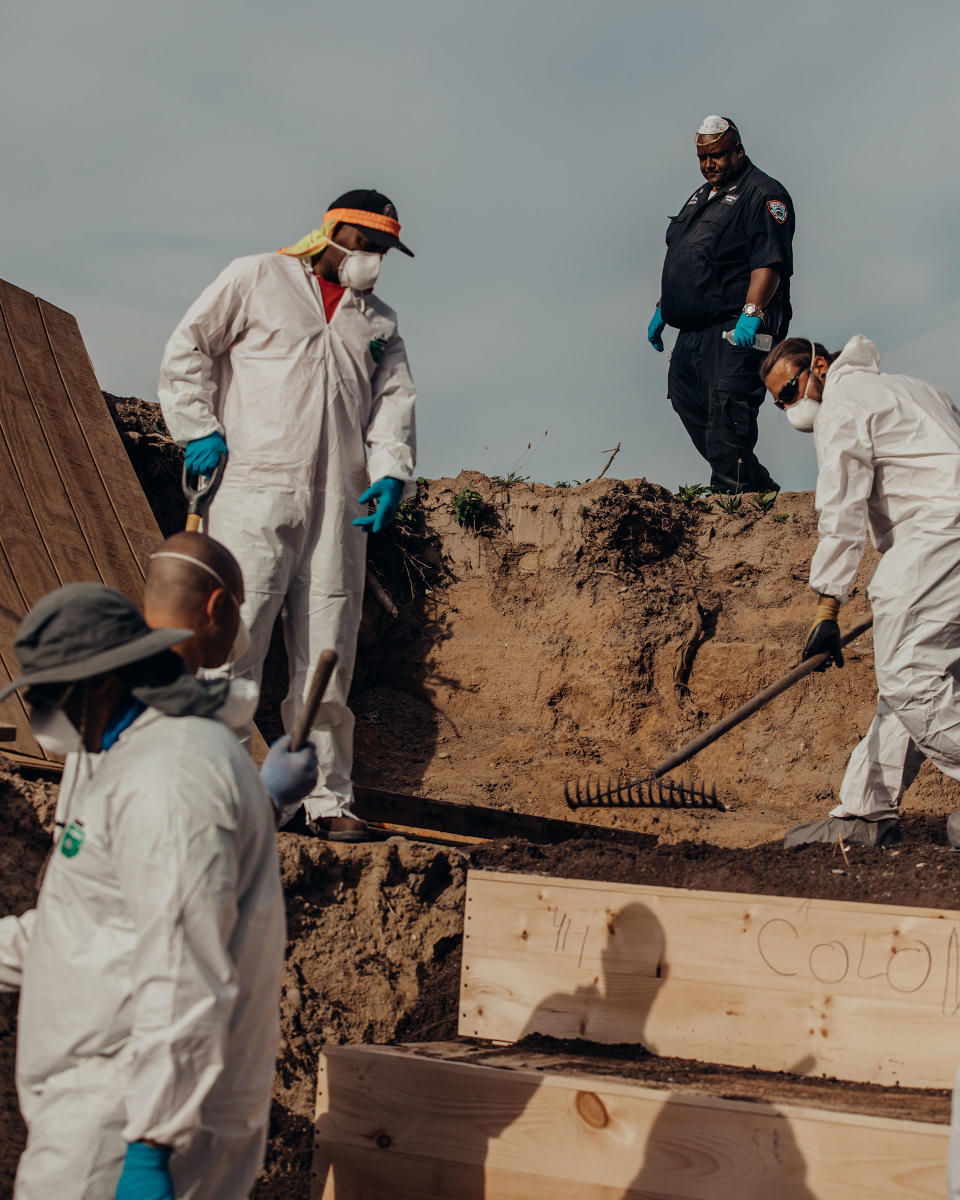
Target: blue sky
(534, 151)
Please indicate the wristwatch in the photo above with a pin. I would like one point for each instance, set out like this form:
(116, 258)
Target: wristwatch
(753, 310)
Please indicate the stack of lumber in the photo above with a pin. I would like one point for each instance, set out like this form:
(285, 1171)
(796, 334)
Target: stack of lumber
(856, 992)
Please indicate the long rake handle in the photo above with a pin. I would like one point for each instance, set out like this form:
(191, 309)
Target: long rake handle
(321, 677)
(751, 706)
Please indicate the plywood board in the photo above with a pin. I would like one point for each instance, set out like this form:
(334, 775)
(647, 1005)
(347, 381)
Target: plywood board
(858, 991)
(393, 1123)
(72, 508)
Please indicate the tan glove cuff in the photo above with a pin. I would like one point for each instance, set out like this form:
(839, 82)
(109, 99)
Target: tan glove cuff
(827, 609)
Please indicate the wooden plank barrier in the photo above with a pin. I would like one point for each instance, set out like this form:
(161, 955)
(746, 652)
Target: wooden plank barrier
(72, 507)
(391, 1122)
(862, 992)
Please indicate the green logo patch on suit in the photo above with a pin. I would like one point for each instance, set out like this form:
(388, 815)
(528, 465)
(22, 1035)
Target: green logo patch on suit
(72, 840)
(377, 347)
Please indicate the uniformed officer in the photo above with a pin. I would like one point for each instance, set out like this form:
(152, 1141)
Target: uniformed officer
(728, 266)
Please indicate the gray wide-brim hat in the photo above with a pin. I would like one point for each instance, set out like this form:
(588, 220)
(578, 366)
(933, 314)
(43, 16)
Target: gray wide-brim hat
(81, 631)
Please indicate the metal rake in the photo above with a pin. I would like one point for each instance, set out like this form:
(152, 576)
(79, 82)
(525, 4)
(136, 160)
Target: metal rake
(650, 792)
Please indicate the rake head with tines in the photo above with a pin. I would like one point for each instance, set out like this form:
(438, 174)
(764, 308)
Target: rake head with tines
(640, 793)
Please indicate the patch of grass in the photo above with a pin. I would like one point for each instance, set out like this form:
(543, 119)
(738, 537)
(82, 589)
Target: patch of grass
(468, 508)
(584, 510)
(562, 483)
(508, 480)
(407, 511)
(732, 505)
(762, 502)
(779, 518)
(689, 492)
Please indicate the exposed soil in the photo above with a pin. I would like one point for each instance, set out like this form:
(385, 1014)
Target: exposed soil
(565, 630)
(600, 627)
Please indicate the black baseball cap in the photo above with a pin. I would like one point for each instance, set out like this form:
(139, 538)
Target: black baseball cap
(366, 200)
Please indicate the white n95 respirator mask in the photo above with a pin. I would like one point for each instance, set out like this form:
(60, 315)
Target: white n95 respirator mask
(360, 269)
(240, 705)
(802, 414)
(54, 730)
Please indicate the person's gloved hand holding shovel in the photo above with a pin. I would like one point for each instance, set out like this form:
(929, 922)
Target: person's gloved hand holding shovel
(289, 775)
(824, 637)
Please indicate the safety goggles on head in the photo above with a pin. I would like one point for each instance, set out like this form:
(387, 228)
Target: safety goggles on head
(788, 393)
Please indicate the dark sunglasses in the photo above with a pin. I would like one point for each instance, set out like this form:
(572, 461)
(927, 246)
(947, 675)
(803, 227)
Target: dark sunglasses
(788, 393)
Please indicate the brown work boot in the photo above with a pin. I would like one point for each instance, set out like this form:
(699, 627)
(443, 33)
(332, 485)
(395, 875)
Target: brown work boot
(337, 829)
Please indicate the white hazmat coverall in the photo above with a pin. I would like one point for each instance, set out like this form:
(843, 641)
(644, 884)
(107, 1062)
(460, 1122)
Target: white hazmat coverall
(15, 931)
(151, 980)
(307, 409)
(888, 449)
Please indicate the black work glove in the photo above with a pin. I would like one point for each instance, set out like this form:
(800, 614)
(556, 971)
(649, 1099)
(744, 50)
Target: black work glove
(824, 639)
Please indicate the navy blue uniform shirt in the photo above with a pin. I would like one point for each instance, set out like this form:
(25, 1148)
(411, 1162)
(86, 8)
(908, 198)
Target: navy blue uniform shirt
(713, 244)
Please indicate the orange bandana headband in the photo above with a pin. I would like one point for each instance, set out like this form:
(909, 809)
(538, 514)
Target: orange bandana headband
(315, 241)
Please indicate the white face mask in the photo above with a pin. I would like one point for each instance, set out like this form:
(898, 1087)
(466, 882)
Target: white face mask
(359, 269)
(803, 412)
(54, 730)
(237, 710)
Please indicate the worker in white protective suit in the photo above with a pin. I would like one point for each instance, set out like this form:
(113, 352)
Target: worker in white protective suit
(148, 1020)
(192, 583)
(888, 449)
(290, 367)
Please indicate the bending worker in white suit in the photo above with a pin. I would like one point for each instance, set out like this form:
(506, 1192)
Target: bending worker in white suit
(149, 1008)
(888, 449)
(293, 369)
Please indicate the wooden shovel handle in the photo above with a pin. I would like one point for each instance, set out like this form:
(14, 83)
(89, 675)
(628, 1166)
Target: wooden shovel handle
(321, 677)
(751, 706)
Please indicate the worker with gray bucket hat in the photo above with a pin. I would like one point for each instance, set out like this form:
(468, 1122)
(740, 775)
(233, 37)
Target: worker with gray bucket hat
(148, 1022)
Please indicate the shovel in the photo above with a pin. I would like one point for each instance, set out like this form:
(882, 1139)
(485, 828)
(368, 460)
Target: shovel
(321, 677)
(650, 792)
(199, 491)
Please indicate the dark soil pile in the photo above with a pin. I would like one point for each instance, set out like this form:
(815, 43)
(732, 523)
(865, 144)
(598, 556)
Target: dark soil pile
(374, 938)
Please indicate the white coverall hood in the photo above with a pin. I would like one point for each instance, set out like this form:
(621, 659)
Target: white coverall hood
(859, 354)
(151, 981)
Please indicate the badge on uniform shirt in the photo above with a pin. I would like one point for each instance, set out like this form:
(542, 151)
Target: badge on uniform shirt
(778, 210)
(72, 840)
(730, 199)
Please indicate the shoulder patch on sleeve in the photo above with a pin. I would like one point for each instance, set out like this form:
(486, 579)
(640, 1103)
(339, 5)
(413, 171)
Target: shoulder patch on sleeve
(777, 210)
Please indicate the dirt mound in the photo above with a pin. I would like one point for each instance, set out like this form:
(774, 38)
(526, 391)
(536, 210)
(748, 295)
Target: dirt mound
(601, 627)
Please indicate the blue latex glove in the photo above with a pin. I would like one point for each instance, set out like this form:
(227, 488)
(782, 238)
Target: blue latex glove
(202, 454)
(288, 777)
(146, 1174)
(388, 493)
(655, 329)
(746, 330)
